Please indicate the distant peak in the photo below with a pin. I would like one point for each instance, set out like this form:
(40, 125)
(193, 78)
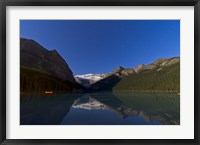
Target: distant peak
(141, 65)
(177, 57)
(118, 69)
(165, 60)
(162, 59)
(89, 75)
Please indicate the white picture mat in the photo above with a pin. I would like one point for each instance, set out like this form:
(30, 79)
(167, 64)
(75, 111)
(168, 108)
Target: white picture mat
(183, 131)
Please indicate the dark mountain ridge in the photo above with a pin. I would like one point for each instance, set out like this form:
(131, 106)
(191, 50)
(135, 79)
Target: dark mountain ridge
(33, 55)
(161, 75)
(44, 70)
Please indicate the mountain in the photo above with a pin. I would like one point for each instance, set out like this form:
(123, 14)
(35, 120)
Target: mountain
(35, 56)
(139, 67)
(111, 79)
(44, 70)
(87, 79)
(161, 63)
(161, 75)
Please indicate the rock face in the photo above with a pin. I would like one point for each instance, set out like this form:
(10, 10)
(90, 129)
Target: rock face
(120, 72)
(118, 69)
(128, 71)
(161, 63)
(34, 56)
(42, 70)
(139, 67)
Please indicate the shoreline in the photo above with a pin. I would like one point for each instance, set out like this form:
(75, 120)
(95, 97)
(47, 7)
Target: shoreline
(116, 91)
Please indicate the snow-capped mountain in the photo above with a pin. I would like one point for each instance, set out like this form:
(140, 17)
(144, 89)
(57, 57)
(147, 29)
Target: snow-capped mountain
(87, 79)
(93, 77)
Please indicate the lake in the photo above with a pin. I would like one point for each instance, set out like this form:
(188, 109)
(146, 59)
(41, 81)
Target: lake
(105, 108)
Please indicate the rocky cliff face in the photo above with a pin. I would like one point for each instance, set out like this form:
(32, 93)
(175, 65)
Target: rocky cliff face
(34, 56)
(128, 71)
(139, 67)
(120, 72)
(42, 70)
(161, 63)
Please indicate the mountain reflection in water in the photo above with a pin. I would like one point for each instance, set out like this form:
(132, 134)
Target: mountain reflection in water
(100, 109)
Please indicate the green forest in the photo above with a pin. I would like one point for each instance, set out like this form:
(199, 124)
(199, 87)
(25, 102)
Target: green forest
(166, 79)
(35, 81)
(159, 79)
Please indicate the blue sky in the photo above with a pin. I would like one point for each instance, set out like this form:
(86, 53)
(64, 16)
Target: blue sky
(99, 46)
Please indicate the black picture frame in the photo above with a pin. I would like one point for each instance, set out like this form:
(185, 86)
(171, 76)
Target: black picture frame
(4, 4)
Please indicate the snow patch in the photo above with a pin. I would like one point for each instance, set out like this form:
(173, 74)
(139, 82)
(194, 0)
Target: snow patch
(92, 77)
